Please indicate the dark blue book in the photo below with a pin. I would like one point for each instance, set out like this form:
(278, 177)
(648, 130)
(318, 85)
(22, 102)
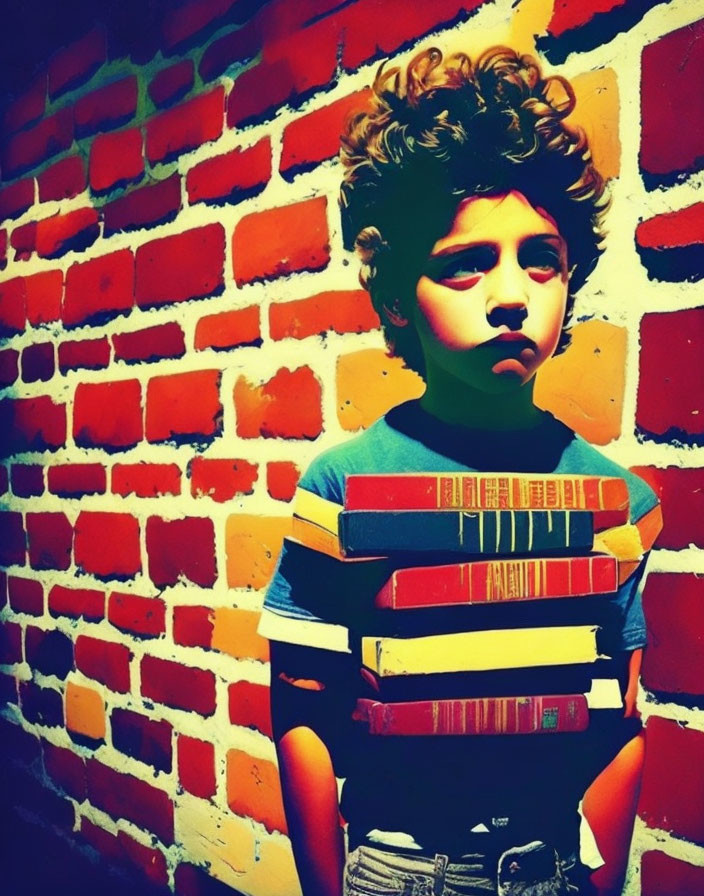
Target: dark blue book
(480, 532)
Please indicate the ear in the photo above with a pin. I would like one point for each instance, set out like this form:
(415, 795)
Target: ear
(395, 316)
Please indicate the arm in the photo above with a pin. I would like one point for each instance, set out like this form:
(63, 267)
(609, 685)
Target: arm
(631, 694)
(307, 699)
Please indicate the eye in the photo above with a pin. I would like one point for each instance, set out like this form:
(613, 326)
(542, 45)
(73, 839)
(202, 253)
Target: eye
(543, 258)
(461, 270)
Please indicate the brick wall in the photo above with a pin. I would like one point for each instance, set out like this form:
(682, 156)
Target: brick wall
(182, 333)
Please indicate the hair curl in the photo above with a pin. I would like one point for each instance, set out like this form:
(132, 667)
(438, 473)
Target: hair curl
(445, 130)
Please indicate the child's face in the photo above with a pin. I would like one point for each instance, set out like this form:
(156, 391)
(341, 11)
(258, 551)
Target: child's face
(491, 299)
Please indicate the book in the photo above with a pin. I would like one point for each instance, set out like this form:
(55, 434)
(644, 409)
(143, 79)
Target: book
(528, 714)
(483, 650)
(315, 522)
(488, 581)
(483, 532)
(606, 496)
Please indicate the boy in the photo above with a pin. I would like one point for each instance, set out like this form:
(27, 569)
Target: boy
(477, 216)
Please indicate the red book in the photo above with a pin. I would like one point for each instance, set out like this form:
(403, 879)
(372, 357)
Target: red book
(605, 496)
(483, 582)
(484, 715)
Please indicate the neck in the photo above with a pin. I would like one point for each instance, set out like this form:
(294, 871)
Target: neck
(458, 404)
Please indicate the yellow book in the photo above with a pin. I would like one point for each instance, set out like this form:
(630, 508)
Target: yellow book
(481, 651)
(311, 507)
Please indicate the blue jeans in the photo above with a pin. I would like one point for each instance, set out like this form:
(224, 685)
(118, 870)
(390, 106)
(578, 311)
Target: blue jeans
(376, 872)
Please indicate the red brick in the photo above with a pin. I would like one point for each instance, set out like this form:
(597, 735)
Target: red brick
(107, 544)
(237, 46)
(10, 643)
(280, 241)
(3, 249)
(681, 495)
(27, 107)
(182, 405)
(105, 108)
(672, 69)
(146, 206)
(220, 479)
(150, 344)
(108, 415)
(193, 626)
(9, 366)
(146, 480)
(674, 657)
(178, 686)
(41, 706)
(287, 406)
(26, 595)
(124, 796)
(184, 266)
(289, 71)
(91, 354)
(105, 843)
(115, 159)
(315, 137)
(672, 793)
(348, 311)
(282, 479)
(185, 127)
(16, 198)
(47, 138)
(148, 740)
(77, 602)
(151, 861)
(50, 537)
(181, 549)
(4, 485)
(38, 362)
(662, 875)
(104, 661)
(249, 706)
(74, 64)
(372, 30)
(13, 313)
(76, 480)
(196, 766)
(232, 176)
(24, 241)
(229, 329)
(49, 652)
(569, 16)
(668, 397)
(144, 616)
(62, 180)
(12, 538)
(27, 480)
(671, 246)
(32, 424)
(189, 19)
(172, 83)
(43, 296)
(61, 233)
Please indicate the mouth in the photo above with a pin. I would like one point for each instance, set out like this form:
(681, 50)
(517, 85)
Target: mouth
(511, 336)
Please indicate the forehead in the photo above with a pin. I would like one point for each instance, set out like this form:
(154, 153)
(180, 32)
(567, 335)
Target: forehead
(506, 217)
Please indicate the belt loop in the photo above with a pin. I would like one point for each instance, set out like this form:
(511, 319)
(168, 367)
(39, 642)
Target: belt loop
(439, 871)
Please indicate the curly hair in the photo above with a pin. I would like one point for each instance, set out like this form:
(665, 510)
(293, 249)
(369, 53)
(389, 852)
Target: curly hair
(445, 130)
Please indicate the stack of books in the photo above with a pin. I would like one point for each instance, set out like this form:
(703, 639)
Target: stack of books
(457, 588)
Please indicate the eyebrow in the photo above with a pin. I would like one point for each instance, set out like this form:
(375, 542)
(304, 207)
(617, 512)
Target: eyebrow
(553, 238)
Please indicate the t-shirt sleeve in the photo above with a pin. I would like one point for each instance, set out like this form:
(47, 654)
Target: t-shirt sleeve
(629, 600)
(284, 618)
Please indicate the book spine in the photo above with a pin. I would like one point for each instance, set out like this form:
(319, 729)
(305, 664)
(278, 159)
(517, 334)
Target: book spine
(498, 580)
(488, 532)
(477, 716)
(607, 497)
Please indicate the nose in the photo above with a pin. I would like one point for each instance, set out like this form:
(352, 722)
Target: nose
(507, 297)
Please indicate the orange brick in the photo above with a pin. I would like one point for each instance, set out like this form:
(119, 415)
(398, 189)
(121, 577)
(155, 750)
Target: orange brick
(288, 406)
(229, 329)
(584, 386)
(369, 383)
(85, 711)
(597, 112)
(348, 311)
(252, 545)
(235, 633)
(253, 789)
